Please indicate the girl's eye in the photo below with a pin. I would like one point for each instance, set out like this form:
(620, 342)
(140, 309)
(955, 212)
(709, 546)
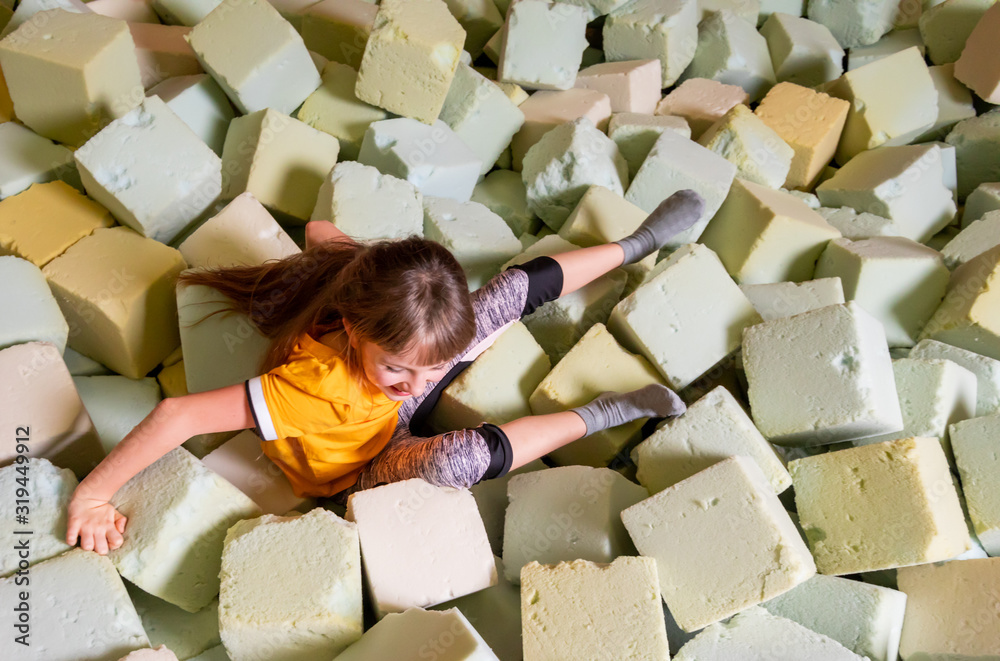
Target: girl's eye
(391, 369)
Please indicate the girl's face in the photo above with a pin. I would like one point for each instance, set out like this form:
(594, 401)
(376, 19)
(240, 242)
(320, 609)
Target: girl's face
(399, 377)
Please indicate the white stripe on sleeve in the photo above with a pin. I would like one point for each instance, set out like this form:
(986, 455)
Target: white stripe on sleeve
(259, 406)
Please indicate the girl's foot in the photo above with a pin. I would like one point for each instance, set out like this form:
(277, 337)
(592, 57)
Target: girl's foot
(675, 214)
(610, 409)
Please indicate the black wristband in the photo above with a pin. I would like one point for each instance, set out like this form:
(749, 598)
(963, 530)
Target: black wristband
(501, 452)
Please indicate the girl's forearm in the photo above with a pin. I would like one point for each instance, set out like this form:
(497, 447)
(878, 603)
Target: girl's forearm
(583, 266)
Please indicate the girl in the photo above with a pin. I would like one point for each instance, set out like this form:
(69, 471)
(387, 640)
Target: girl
(364, 339)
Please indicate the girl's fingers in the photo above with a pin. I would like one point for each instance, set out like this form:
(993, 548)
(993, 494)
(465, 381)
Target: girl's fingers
(120, 523)
(87, 541)
(102, 543)
(115, 539)
(72, 531)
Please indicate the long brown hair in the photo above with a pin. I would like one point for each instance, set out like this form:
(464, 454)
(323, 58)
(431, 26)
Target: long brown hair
(403, 295)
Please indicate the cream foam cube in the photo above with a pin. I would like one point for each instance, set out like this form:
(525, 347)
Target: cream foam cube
(39, 387)
(836, 355)
(595, 364)
(968, 316)
(185, 634)
(567, 513)
(588, 610)
(334, 108)
(632, 85)
(496, 386)
(481, 115)
(856, 226)
(416, 631)
(421, 544)
(810, 123)
(764, 235)
(893, 100)
(950, 610)
(559, 168)
(117, 404)
(985, 198)
(646, 29)
(201, 104)
(83, 595)
(161, 653)
(675, 163)
(546, 109)
(978, 66)
(175, 547)
(893, 42)
(29, 159)
(954, 103)
(802, 51)
(635, 134)
(786, 299)
(987, 371)
(276, 602)
(867, 619)
(974, 443)
(158, 199)
(243, 232)
(36, 315)
(756, 635)
(713, 428)
(702, 578)
(49, 492)
(977, 237)
(702, 102)
(93, 59)
(503, 193)
(26, 10)
(410, 59)
(855, 23)
(491, 498)
(748, 10)
(975, 141)
(670, 320)
(899, 281)
(495, 613)
(731, 51)
(365, 204)
(904, 184)
(271, 70)
(758, 152)
(478, 238)
(542, 44)
(338, 30)
(432, 158)
(891, 504)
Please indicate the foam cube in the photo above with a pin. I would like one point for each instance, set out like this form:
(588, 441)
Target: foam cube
(987, 371)
(543, 44)
(93, 59)
(974, 443)
(585, 506)
(333, 108)
(478, 238)
(275, 602)
(503, 193)
(183, 633)
(836, 355)
(635, 134)
(495, 388)
(365, 204)
(217, 653)
(421, 544)
(82, 594)
(899, 281)
(133, 11)
(978, 66)
(495, 613)
(856, 226)
(481, 115)
(134, 335)
(669, 301)
(802, 52)
(904, 184)
(588, 610)
(338, 30)
(764, 235)
(810, 123)
(977, 237)
(201, 104)
(756, 635)
(675, 163)
(271, 70)
(416, 631)
(786, 299)
(184, 12)
(37, 316)
(175, 548)
(867, 619)
(29, 159)
(758, 152)
(559, 168)
(161, 653)
(702, 102)
(410, 59)
(975, 141)
(954, 103)
(893, 100)
(595, 364)
(646, 29)
(703, 579)
(985, 198)
(48, 495)
(491, 498)
(632, 85)
(116, 404)
(158, 199)
(432, 158)
(893, 42)
(162, 52)
(950, 610)
(731, 51)
(855, 24)
(917, 519)
(545, 110)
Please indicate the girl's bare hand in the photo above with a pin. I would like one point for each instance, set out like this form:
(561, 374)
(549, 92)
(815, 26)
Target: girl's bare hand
(97, 523)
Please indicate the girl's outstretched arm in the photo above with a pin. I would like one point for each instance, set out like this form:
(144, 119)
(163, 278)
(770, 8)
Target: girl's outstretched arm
(90, 516)
(318, 231)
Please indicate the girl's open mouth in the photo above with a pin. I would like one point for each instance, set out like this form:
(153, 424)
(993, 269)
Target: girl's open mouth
(397, 391)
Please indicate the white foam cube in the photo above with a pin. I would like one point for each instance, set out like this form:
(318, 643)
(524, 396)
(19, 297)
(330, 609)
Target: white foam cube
(731, 51)
(35, 315)
(852, 23)
(975, 140)
(787, 299)
(503, 193)
(491, 498)
(543, 44)
(893, 42)
(836, 355)
(133, 11)
(48, 493)
(974, 443)
(758, 152)
(276, 602)
(29, 159)
(984, 199)
(856, 226)
(495, 613)
(802, 51)
(954, 103)
(183, 633)
(416, 631)
(201, 104)
(365, 204)
(977, 237)
(566, 513)
(546, 109)
(702, 578)
(117, 404)
(645, 29)
(433, 158)
(987, 371)
(27, 9)
(635, 134)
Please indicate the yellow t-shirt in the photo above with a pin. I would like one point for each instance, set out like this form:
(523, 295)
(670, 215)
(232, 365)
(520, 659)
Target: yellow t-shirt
(316, 425)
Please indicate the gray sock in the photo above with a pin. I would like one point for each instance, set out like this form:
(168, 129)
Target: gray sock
(672, 216)
(610, 409)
